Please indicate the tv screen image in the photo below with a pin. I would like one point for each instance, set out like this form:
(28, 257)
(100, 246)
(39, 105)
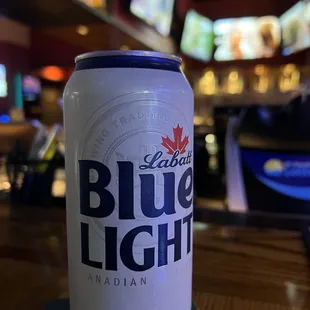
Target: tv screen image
(246, 38)
(197, 38)
(31, 84)
(296, 28)
(3, 81)
(157, 13)
(269, 36)
(31, 87)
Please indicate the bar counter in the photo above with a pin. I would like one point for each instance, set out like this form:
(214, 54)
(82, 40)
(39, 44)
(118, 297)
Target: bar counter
(234, 268)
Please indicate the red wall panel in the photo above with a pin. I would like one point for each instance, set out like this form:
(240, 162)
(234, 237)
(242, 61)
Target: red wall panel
(47, 50)
(15, 59)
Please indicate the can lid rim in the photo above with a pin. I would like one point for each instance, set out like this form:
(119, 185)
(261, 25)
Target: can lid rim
(127, 53)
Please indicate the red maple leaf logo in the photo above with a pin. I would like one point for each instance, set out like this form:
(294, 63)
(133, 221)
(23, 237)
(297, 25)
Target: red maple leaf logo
(177, 144)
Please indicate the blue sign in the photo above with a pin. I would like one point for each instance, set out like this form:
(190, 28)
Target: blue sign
(288, 174)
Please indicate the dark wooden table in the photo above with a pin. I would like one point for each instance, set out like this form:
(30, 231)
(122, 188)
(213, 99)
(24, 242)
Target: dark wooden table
(234, 268)
(237, 269)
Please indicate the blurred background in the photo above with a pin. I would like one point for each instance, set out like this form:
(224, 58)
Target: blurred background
(248, 63)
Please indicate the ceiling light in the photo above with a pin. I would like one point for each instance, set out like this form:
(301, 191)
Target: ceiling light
(210, 138)
(260, 69)
(82, 30)
(52, 73)
(125, 47)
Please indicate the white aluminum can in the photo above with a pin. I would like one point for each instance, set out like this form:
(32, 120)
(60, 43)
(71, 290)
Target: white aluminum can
(129, 144)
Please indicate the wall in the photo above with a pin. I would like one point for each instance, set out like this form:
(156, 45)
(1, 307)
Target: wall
(48, 50)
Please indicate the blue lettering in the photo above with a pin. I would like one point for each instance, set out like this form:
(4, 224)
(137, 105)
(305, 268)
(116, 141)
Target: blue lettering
(126, 246)
(163, 164)
(126, 250)
(185, 191)
(126, 212)
(174, 161)
(148, 195)
(85, 248)
(188, 220)
(152, 161)
(164, 242)
(106, 202)
(125, 190)
(111, 248)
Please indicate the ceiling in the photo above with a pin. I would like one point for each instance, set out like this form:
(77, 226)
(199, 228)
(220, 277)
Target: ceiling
(215, 9)
(44, 13)
(59, 19)
(60, 45)
(100, 36)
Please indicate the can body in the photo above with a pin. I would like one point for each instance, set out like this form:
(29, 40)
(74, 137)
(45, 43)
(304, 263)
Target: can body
(129, 142)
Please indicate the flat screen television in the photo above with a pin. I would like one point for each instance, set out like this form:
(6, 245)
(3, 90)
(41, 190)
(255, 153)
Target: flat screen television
(246, 38)
(295, 25)
(157, 13)
(3, 81)
(31, 87)
(197, 38)
(31, 90)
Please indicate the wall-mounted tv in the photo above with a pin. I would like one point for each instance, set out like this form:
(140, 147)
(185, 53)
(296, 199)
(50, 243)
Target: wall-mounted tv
(296, 28)
(197, 38)
(3, 81)
(31, 84)
(246, 38)
(157, 13)
(31, 88)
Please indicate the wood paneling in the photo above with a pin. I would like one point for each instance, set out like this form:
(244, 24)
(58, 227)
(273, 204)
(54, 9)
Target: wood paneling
(100, 36)
(215, 9)
(59, 45)
(38, 13)
(49, 50)
(14, 32)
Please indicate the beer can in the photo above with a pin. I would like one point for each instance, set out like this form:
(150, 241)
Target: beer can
(129, 142)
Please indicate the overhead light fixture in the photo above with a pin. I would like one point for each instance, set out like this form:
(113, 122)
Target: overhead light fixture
(289, 78)
(234, 83)
(82, 30)
(97, 4)
(262, 79)
(52, 73)
(198, 120)
(125, 47)
(210, 138)
(260, 69)
(208, 83)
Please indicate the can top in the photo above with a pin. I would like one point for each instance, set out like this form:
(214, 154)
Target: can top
(147, 54)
